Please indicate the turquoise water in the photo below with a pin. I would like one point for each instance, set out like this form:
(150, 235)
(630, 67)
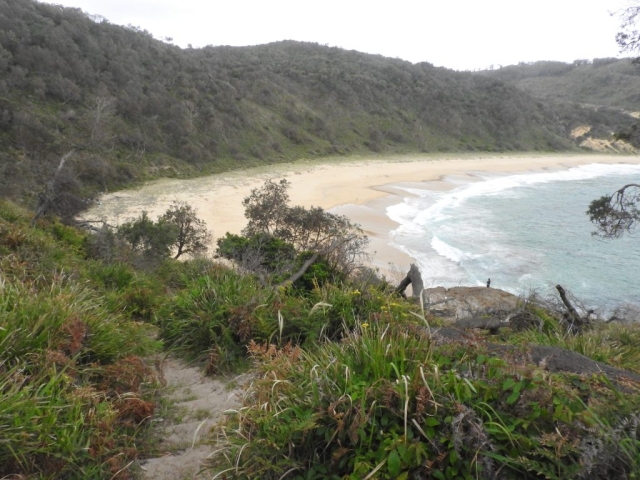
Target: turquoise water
(527, 232)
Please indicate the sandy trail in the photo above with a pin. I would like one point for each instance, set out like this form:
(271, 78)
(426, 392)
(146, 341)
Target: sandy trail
(200, 402)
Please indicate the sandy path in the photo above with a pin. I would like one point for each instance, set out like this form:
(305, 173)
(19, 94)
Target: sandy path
(199, 403)
(328, 183)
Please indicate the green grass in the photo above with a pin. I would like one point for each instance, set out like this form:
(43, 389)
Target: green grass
(74, 393)
(615, 344)
(349, 383)
(216, 315)
(389, 403)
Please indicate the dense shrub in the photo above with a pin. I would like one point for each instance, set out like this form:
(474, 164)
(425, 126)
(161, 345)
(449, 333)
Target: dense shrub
(54, 345)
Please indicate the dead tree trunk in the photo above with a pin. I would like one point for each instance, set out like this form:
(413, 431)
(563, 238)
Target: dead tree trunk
(296, 276)
(574, 317)
(413, 278)
(49, 195)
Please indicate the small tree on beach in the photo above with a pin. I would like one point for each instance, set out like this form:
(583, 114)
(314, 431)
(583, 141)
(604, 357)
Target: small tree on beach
(334, 238)
(191, 234)
(151, 239)
(266, 207)
(178, 230)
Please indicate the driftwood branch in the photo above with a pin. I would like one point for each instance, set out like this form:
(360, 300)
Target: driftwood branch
(413, 278)
(89, 225)
(305, 266)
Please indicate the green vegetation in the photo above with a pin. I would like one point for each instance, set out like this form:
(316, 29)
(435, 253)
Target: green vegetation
(616, 214)
(74, 393)
(178, 231)
(352, 381)
(628, 38)
(602, 82)
(132, 108)
(279, 238)
(394, 402)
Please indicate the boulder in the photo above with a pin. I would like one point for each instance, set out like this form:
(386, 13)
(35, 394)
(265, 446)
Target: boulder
(460, 303)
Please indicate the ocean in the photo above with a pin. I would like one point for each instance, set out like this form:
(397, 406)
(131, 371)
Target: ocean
(526, 232)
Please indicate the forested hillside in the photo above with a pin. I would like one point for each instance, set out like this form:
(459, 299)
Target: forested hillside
(608, 82)
(132, 107)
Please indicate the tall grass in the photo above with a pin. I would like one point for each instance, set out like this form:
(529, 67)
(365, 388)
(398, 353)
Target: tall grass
(615, 344)
(64, 317)
(216, 315)
(60, 410)
(71, 386)
(389, 403)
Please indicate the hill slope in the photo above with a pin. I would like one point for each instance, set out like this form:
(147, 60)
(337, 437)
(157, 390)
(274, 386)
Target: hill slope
(132, 107)
(605, 81)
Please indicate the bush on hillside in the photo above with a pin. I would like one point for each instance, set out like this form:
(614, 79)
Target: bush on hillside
(218, 314)
(72, 387)
(177, 230)
(279, 239)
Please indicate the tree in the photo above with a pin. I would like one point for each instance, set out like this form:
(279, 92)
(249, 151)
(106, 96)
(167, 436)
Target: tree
(259, 253)
(59, 195)
(618, 213)
(191, 234)
(151, 239)
(280, 237)
(629, 37)
(339, 241)
(178, 229)
(265, 208)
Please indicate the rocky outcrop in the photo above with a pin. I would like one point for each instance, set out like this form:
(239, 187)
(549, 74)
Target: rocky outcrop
(465, 303)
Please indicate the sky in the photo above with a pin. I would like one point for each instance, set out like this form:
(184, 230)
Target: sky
(457, 34)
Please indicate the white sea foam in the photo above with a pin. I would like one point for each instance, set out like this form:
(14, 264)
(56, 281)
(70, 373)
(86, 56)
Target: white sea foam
(448, 251)
(521, 239)
(414, 211)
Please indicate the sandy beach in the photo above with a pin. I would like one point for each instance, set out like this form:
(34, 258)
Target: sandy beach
(359, 188)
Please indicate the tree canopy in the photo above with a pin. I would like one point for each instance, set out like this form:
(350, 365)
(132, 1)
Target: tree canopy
(628, 38)
(616, 214)
(178, 230)
(190, 233)
(279, 238)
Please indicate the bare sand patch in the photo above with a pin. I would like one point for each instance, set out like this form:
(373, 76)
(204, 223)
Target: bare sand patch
(329, 183)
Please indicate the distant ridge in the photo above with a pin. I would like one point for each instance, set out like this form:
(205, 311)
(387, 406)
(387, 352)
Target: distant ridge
(609, 82)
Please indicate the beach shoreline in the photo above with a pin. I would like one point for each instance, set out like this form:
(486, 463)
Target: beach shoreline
(361, 189)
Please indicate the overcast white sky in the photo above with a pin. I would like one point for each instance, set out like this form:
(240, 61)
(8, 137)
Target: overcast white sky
(459, 34)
